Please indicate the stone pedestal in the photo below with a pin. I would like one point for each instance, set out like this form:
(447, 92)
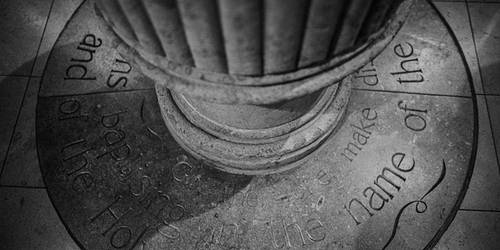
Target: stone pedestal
(252, 87)
(392, 175)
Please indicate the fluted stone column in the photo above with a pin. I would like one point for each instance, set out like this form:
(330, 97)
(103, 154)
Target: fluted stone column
(252, 87)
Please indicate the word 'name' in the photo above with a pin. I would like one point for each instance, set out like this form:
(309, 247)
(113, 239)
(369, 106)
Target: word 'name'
(384, 186)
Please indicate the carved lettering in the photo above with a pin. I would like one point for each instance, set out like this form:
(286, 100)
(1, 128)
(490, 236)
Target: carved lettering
(315, 230)
(251, 199)
(414, 118)
(169, 231)
(74, 156)
(77, 72)
(82, 182)
(118, 74)
(294, 235)
(111, 120)
(109, 216)
(368, 74)
(364, 209)
(374, 197)
(388, 180)
(223, 236)
(119, 153)
(385, 186)
(181, 169)
(71, 109)
(86, 48)
(145, 182)
(361, 134)
(121, 237)
(323, 177)
(409, 70)
(397, 160)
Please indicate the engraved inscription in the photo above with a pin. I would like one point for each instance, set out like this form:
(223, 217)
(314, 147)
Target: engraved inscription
(118, 74)
(409, 70)
(220, 236)
(86, 49)
(368, 74)
(283, 233)
(121, 181)
(361, 132)
(385, 185)
(415, 118)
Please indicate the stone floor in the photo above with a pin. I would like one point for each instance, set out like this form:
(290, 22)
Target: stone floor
(29, 28)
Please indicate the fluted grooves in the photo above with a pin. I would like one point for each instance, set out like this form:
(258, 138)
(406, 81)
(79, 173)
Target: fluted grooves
(376, 17)
(283, 34)
(320, 29)
(167, 23)
(353, 19)
(118, 19)
(241, 27)
(247, 37)
(139, 19)
(203, 32)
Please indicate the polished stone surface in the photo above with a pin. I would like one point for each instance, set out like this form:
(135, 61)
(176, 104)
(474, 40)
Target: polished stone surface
(21, 166)
(29, 221)
(486, 26)
(11, 96)
(22, 27)
(454, 13)
(484, 188)
(475, 227)
(391, 176)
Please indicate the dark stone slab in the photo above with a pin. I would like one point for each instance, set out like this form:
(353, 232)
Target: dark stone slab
(83, 61)
(113, 150)
(423, 59)
(392, 176)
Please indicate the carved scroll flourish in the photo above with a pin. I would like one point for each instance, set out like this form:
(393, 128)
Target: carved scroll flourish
(420, 207)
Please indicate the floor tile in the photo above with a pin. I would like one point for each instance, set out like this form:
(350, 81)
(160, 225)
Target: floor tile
(494, 108)
(59, 16)
(27, 218)
(472, 230)
(29, 221)
(485, 19)
(484, 187)
(438, 1)
(457, 17)
(19, 39)
(71, 69)
(11, 94)
(21, 167)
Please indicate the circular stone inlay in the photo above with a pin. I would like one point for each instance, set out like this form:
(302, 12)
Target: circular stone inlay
(392, 175)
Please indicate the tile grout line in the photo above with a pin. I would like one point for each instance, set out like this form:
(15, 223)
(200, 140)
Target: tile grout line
(479, 210)
(14, 75)
(4, 162)
(409, 92)
(482, 83)
(96, 93)
(461, 1)
(23, 187)
(495, 95)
